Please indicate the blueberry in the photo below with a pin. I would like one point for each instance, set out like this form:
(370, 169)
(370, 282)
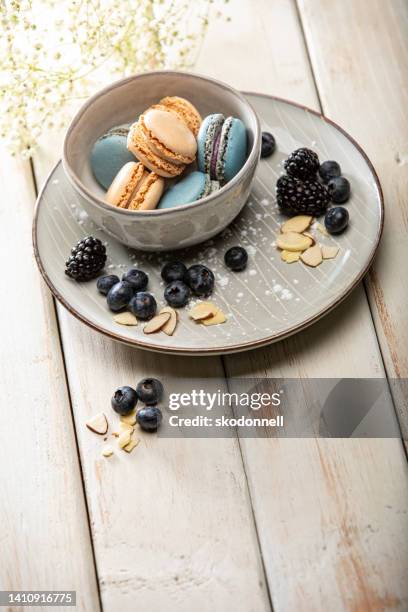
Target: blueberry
(339, 189)
(328, 170)
(124, 400)
(268, 144)
(143, 305)
(236, 258)
(336, 219)
(119, 296)
(177, 294)
(200, 279)
(173, 270)
(105, 283)
(149, 418)
(149, 390)
(137, 279)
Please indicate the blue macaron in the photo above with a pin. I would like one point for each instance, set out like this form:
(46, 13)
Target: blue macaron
(109, 154)
(221, 147)
(194, 186)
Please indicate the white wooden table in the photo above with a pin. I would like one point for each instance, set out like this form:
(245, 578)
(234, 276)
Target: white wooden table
(219, 525)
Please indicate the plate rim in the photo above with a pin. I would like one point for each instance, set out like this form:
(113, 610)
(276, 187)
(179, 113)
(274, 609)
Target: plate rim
(242, 346)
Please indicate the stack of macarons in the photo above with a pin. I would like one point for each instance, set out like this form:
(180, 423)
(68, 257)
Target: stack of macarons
(133, 162)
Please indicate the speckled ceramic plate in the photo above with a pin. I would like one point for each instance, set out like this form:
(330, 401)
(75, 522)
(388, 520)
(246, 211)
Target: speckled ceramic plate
(268, 301)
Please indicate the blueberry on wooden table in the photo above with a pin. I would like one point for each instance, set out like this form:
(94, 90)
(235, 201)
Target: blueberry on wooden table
(149, 418)
(149, 390)
(124, 400)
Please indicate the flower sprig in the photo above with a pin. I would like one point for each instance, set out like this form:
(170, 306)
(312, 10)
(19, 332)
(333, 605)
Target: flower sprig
(56, 52)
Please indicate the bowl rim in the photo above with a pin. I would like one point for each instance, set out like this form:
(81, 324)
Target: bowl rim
(88, 195)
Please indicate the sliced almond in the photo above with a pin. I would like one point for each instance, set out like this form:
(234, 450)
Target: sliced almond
(125, 318)
(321, 229)
(155, 324)
(123, 426)
(98, 424)
(329, 252)
(297, 224)
(309, 235)
(203, 310)
(293, 242)
(132, 444)
(169, 327)
(130, 418)
(290, 256)
(124, 438)
(216, 319)
(313, 256)
(107, 451)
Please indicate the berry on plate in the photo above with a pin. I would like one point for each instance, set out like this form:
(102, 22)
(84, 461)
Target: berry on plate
(105, 283)
(268, 144)
(177, 294)
(87, 259)
(143, 305)
(149, 390)
(336, 219)
(328, 170)
(119, 296)
(173, 271)
(200, 279)
(302, 164)
(149, 418)
(339, 189)
(124, 400)
(137, 279)
(236, 258)
(297, 197)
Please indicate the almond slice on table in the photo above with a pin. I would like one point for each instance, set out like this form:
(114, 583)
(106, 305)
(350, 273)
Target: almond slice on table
(329, 252)
(290, 256)
(297, 224)
(130, 418)
(203, 310)
(216, 319)
(98, 424)
(124, 438)
(321, 229)
(313, 256)
(309, 235)
(169, 327)
(125, 318)
(123, 426)
(132, 444)
(155, 324)
(293, 242)
(107, 451)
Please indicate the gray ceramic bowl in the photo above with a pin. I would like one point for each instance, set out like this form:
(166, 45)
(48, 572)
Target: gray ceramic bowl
(122, 102)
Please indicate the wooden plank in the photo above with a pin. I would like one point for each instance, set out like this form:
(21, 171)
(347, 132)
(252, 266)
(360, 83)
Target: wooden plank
(359, 51)
(45, 540)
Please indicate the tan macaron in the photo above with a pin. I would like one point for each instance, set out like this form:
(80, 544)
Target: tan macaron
(162, 141)
(135, 188)
(185, 110)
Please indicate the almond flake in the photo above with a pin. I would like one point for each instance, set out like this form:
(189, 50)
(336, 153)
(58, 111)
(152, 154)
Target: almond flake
(313, 256)
(203, 310)
(293, 242)
(169, 327)
(125, 318)
(218, 318)
(329, 252)
(130, 418)
(290, 256)
(124, 438)
(123, 426)
(321, 229)
(297, 224)
(107, 451)
(309, 235)
(132, 444)
(155, 324)
(98, 424)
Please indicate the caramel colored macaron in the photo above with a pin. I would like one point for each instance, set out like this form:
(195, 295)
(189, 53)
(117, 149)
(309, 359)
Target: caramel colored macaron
(185, 110)
(162, 142)
(135, 188)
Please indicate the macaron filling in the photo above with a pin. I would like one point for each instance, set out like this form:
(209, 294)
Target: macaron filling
(219, 173)
(214, 155)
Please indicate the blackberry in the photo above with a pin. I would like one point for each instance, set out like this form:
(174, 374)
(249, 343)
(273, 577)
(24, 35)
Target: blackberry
(302, 164)
(87, 259)
(296, 197)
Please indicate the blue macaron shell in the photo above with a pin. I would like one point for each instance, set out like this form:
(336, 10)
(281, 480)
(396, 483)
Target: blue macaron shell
(205, 139)
(109, 154)
(187, 190)
(236, 149)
